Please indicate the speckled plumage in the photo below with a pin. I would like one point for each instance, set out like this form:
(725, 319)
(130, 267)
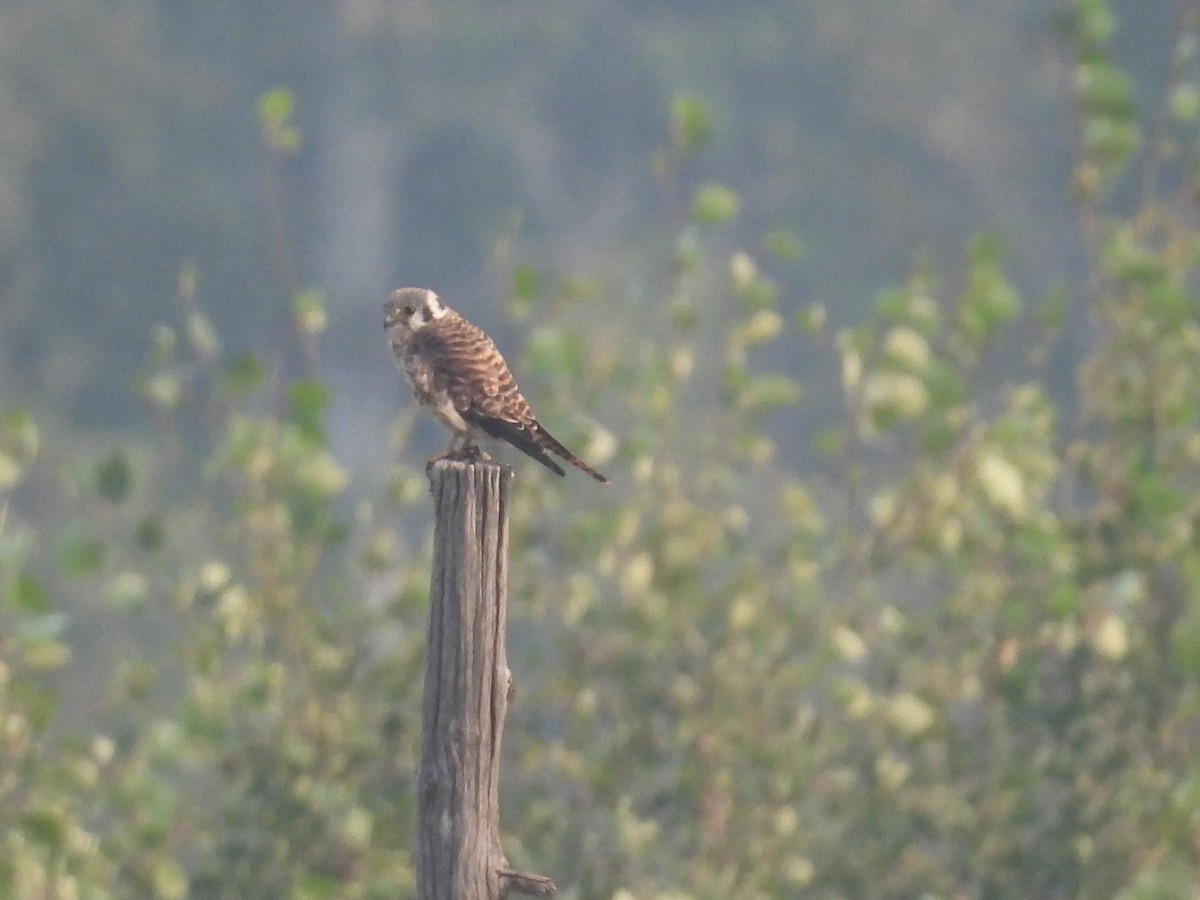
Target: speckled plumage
(456, 372)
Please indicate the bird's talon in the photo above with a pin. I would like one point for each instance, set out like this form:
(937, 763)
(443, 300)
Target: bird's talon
(468, 454)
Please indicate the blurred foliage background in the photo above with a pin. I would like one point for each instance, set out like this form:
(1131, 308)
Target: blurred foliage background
(884, 321)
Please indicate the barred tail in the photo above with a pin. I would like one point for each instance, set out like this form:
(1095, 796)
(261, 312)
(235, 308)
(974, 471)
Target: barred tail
(549, 442)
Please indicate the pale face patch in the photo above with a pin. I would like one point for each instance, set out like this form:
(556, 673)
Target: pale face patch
(432, 309)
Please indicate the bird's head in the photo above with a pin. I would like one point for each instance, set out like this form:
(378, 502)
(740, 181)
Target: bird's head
(412, 309)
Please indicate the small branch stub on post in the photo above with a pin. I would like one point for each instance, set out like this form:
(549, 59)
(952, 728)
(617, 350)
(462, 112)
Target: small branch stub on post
(466, 691)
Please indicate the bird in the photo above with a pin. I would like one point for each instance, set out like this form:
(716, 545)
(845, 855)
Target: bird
(455, 372)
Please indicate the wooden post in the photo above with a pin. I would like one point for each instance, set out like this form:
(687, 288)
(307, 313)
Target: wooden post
(467, 683)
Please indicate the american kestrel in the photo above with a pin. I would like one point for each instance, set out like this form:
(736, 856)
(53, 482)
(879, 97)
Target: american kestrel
(456, 372)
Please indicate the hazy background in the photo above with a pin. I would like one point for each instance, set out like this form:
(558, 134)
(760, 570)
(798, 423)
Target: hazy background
(938, 638)
(444, 142)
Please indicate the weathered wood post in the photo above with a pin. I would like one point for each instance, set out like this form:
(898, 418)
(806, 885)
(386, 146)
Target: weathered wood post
(467, 684)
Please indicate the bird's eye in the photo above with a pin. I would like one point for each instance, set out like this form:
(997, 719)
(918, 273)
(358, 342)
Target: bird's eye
(408, 311)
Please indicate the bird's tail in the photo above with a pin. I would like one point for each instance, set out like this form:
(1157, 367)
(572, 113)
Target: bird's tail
(551, 443)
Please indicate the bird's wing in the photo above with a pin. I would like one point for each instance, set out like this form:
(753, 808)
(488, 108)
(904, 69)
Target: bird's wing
(469, 368)
(520, 436)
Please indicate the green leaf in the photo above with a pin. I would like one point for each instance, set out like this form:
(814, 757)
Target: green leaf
(43, 654)
(127, 590)
(552, 352)
(1185, 642)
(1157, 496)
(11, 471)
(690, 126)
(989, 300)
(812, 319)
(275, 110)
(1095, 22)
(937, 435)
(1103, 89)
(45, 828)
(734, 382)
(892, 305)
(714, 204)
(114, 477)
(1109, 141)
(163, 390)
(310, 399)
(151, 533)
(15, 546)
(244, 375)
(758, 293)
(1185, 102)
(276, 106)
(786, 245)
(19, 444)
(20, 433)
(829, 441)
(202, 336)
(526, 288)
(316, 887)
(79, 553)
(29, 596)
(946, 387)
(1130, 260)
(163, 341)
(308, 311)
(138, 679)
(1169, 302)
(1064, 599)
(767, 391)
(170, 881)
(319, 475)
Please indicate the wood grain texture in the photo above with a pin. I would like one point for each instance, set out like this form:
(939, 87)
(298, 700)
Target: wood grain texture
(466, 692)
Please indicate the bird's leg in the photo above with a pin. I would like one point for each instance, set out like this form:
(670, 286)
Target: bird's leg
(468, 451)
(471, 451)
